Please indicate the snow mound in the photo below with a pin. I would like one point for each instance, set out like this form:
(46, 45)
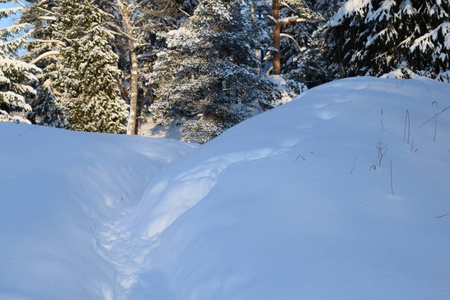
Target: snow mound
(61, 192)
(339, 194)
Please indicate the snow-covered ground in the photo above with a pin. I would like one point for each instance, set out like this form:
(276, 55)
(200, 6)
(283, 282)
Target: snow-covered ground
(341, 194)
(60, 192)
(150, 129)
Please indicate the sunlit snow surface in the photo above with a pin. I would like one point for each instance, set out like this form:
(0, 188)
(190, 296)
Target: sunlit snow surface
(60, 192)
(291, 204)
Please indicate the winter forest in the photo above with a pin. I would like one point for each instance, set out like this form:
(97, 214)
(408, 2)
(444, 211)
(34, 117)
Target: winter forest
(202, 66)
(224, 149)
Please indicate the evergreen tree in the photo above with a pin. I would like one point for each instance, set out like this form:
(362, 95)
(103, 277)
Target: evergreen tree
(312, 65)
(290, 13)
(17, 87)
(326, 8)
(81, 68)
(138, 24)
(43, 50)
(207, 80)
(18, 80)
(88, 81)
(304, 62)
(403, 37)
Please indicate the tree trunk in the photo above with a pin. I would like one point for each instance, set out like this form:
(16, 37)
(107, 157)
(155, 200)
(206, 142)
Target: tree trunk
(276, 38)
(133, 117)
(277, 25)
(125, 12)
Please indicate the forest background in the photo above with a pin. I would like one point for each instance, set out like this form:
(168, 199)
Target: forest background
(201, 67)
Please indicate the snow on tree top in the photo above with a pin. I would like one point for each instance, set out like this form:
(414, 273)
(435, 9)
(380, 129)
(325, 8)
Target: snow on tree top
(350, 7)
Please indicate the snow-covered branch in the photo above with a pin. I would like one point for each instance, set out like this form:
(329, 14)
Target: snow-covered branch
(296, 19)
(45, 55)
(48, 18)
(7, 12)
(21, 3)
(292, 39)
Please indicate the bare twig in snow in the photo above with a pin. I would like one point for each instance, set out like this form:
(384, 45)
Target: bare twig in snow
(392, 183)
(353, 166)
(442, 216)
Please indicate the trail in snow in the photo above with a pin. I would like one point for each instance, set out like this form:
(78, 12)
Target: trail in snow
(286, 205)
(61, 194)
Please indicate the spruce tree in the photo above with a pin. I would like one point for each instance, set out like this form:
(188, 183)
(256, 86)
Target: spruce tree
(17, 87)
(18, 81)
(81, 70)
(138, 25)
(399, 37)
(207, 80)
(308, 64)
(43, 50)
(300, 34)
(88, 81)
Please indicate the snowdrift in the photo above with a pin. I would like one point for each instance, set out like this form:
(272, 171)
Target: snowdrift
(341, 194)
(336, 195)
(59, 190)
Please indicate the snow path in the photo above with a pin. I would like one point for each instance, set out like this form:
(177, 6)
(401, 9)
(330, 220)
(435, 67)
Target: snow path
(292, 204)
(63, 195)
(288, 203)
(112, 232)
(129, 249)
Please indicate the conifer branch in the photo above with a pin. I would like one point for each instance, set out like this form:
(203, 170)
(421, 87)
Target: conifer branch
(45, 55)
(292, 39)
(48, 18)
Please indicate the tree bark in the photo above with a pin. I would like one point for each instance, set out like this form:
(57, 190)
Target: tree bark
(133, 117)
(276, 70)
(125, 11)
(277, 26)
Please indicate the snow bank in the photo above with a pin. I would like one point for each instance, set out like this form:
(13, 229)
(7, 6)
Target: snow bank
(302, 203)
(340, 194)
(60, 194)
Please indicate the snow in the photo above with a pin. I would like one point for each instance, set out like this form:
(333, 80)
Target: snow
(58, 190)
(407, 8)
(401, 72)
(152, 129)
(426, 41)
(383, 12)
(349, 7)
(290, 204)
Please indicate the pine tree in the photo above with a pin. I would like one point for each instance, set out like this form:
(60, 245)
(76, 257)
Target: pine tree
(299, 17)
(301, 52)
(18, 80)
(207, 80)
